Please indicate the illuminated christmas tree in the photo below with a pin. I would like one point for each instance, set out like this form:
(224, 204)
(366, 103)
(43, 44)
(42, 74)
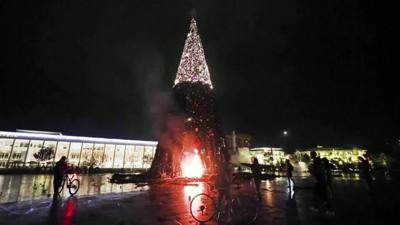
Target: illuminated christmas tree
(192, 128)
(193, 66)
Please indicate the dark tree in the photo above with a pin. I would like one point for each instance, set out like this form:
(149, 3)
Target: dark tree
(44, 154)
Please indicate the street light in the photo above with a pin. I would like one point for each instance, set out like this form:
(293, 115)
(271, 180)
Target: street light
(285, 133)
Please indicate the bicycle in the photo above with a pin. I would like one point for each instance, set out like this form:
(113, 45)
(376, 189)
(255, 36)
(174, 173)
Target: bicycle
(72, 184)
(241, 209)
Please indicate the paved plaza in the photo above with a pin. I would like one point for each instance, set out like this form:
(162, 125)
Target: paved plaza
(128, 204)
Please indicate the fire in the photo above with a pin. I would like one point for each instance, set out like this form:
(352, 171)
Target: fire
(192, 165)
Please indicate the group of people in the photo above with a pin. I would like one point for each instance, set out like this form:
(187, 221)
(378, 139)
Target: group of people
(319, 168)
(223, 179)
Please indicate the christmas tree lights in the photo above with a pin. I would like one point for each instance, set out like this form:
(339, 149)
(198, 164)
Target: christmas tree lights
(193, 66)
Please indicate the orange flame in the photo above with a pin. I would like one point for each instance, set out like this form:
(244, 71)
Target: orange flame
(192, 166)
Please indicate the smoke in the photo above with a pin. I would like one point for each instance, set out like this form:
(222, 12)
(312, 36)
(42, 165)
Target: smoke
(160, 107)
(147, 71)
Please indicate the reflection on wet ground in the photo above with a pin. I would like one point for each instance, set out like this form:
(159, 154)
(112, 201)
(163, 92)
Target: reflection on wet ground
(15, 188)
(169, 204)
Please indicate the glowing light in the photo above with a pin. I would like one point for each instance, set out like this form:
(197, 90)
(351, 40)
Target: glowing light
(192, 166)
(303, 166)
(193, 66)
(69, 211)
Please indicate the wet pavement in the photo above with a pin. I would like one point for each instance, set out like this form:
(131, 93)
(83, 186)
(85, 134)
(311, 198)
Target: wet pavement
(169, 204)
(28, 187)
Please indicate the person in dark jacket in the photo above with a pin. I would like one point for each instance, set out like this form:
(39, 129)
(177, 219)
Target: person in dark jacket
(328, 167)
(365, 171)
(59, 172)
(256, 171)
(317, 170)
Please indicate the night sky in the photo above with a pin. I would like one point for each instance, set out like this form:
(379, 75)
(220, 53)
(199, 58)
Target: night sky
(323, 70)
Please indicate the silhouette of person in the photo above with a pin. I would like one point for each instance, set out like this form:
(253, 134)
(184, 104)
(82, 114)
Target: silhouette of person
(256, 171)
(320, 188)
(328, 173)
(59, 172)
(365, 171)
(327, 166)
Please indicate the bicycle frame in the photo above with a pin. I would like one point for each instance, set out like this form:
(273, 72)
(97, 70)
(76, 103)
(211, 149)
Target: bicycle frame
(69, 179)
(71, 182)
(225, 207)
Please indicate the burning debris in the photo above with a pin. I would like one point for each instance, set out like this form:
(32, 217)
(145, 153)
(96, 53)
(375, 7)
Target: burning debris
(192, 166)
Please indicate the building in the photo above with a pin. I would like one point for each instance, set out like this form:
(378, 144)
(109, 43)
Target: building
(343, 155)
(34, 148)
(269, 155)
(344, 159)
(238, 146)
(234, 142)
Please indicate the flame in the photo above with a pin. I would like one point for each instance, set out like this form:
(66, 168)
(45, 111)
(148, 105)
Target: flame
(192, 165)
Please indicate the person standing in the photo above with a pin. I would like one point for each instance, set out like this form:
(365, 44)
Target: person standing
(320, 188)
(256, 171)
(365, 171)
(328, 167)
(59, 172)
(289, 174)
(315, 170)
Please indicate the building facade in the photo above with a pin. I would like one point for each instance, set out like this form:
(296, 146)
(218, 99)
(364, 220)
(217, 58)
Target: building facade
(269, 155)
(343, 159)
(238, 146)
(32, 149)
(234, 142)
(340, 155)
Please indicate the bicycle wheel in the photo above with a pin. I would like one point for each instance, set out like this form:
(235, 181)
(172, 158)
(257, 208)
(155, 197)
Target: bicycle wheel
(61, 188)
(202, 208)
(73, 186)
(244, 209)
